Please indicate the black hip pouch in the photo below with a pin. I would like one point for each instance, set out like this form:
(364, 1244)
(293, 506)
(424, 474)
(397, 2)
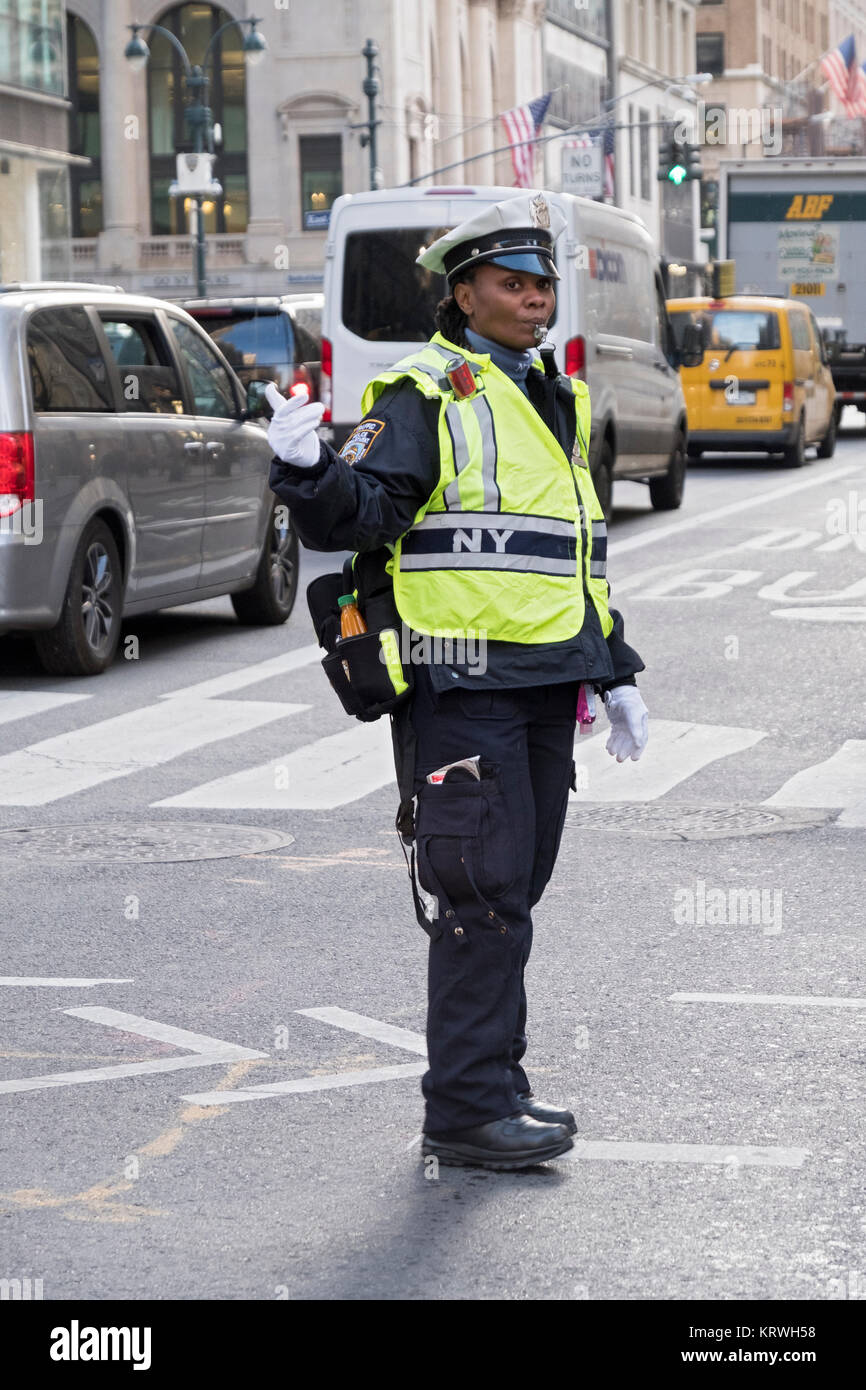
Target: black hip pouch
(366, 671)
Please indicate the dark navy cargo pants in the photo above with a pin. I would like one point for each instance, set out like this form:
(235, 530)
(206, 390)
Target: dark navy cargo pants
(486, 850)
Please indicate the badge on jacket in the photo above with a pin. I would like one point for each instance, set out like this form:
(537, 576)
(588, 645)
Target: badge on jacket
(361, 439)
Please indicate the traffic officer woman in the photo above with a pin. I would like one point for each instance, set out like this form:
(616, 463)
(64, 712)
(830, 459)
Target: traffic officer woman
(475, 474)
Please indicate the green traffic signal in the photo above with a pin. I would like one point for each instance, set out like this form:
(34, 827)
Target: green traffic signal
(677, 173)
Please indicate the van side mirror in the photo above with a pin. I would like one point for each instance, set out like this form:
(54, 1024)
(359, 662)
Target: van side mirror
(257, 405)
(692, 350)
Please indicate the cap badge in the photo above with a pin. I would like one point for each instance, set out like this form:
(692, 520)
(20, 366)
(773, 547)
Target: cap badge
(539, 212)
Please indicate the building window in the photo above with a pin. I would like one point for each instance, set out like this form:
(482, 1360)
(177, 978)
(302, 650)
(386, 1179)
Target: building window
(321, 160)
(643, 117)
(710, 52)
(632, 155)
(824, 22)
(768, 56)
(84, 131)
(194, 25)
(31, 45)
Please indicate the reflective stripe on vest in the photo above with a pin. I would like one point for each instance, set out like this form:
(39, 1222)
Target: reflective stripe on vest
(598, 553)
(542, 545)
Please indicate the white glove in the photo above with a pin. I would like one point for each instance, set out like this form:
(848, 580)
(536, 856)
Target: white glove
(292, 431)
(629, 722)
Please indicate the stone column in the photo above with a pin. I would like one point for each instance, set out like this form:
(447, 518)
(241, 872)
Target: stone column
(486, 137)
(122, 94)
(450, 90)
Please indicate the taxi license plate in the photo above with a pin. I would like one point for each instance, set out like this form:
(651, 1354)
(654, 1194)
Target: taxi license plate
(744, 398)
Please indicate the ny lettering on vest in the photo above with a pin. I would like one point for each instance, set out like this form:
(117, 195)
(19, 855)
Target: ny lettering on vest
(471, 540)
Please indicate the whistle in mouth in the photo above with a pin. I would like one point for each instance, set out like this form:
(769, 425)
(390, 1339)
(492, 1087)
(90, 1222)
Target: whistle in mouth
(540, 332)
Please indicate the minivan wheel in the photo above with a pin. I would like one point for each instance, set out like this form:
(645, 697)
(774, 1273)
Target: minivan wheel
(272, 597)
(83, 642)
(602, 478)
(795, 454)
(666, 492)
(827, 446)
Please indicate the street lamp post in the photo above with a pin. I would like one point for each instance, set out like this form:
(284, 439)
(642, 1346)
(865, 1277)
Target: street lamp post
(198, 114)
(371, 87)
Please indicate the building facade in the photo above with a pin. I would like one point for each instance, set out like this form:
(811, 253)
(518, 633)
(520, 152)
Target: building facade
(34, 157)
(291, 127)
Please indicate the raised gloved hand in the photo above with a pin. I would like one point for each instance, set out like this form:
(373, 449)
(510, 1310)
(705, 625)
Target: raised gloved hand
(629, 722)
(292, 431)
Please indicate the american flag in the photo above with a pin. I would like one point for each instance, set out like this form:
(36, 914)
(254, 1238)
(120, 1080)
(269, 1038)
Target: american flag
(523, 127)
(845, 77)
(857, 105)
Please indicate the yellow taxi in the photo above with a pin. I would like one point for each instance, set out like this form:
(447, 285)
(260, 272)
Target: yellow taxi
(763, 382)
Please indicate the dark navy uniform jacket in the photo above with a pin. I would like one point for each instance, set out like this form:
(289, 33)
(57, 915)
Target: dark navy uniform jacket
(371, 503)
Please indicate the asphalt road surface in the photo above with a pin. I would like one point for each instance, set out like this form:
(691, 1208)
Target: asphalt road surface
(209, 1065)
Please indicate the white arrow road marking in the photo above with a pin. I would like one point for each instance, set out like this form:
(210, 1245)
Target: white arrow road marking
(838, 781)
(143, 738)
(21, 704)
(308, 1083)
(352, 1023)
(208, 1052)
(675, 751)
(59, 982)
(370, 1028)
(734, 1155)
(319, 776)
(248, 675)
(826, 1001)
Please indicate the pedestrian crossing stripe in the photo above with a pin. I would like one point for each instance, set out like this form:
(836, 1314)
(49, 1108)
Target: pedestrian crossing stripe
(344, 767)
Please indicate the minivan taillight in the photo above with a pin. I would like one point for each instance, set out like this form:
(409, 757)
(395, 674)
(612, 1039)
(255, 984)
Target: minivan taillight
(788, 396)
(575, 357)
(326, 386)
(16, 471)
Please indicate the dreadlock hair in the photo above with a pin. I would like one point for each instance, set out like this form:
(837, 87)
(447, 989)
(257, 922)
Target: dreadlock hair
(450, 318)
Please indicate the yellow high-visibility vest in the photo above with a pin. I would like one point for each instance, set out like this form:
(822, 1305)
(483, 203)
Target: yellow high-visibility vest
(513, 528)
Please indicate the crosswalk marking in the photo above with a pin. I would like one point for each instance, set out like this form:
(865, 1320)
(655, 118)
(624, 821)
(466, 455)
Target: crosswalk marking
(825, 1001)
(143, 738)
(21, 704)
(733, 1155)
(317, 777)
(676, 750)
(281, 665)
(838, 781)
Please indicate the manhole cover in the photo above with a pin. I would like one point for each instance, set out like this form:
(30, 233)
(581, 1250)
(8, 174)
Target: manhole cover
(109, 842)
(679, 822)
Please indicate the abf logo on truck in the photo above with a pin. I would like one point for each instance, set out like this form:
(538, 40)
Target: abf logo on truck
(809, 207)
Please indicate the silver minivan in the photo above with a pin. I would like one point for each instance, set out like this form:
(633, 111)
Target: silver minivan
(132, 477)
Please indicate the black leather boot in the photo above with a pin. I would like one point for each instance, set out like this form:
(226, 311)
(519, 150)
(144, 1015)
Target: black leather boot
(516, 1141)
(547, 1114)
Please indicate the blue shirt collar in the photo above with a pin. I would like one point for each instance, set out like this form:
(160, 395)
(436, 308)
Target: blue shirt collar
(510, 361)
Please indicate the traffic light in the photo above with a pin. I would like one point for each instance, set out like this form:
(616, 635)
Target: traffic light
(678, 161)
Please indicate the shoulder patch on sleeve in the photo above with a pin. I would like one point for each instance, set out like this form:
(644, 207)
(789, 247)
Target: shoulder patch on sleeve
(360, 440)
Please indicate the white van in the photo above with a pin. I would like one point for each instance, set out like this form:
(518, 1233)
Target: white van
(611, 325)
